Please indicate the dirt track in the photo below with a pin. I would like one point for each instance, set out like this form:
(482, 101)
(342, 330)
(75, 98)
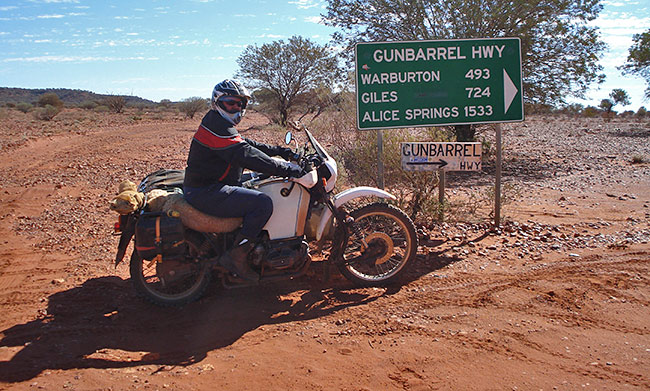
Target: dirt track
(558, 299)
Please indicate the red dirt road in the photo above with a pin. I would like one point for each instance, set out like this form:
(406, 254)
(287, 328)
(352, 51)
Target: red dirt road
(558, 299)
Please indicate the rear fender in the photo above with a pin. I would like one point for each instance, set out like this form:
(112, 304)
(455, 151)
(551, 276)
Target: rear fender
(346, 196)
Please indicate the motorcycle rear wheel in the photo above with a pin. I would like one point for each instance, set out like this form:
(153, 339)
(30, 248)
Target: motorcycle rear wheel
(382, 242)
(150, 286)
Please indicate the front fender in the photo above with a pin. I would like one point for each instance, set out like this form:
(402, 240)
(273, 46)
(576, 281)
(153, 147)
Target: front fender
(346, 196)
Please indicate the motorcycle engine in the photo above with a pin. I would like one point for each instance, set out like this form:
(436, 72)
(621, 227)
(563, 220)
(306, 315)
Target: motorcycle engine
(286, 254)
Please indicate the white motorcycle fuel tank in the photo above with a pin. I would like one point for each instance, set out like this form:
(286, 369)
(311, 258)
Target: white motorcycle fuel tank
(290, 207)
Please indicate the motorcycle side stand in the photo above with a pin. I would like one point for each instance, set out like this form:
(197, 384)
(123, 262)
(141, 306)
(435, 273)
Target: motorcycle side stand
(231, 282)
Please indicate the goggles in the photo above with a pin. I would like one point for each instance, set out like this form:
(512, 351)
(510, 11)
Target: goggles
(232, 101)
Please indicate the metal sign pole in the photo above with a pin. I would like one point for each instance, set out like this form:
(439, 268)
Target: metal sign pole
(380, 158)
(497, 186)
(441, 195)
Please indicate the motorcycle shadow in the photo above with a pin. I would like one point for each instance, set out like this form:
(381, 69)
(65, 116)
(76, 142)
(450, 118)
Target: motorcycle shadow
(102, 324)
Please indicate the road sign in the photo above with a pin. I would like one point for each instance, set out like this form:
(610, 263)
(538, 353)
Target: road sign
(426, 156)
(447, 82)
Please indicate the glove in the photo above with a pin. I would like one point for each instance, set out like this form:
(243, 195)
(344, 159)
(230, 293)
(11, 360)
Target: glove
(308, 180)
(291, 169)
(288, 154)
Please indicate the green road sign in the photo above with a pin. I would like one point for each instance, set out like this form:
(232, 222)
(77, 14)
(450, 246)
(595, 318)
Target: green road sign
(449, 82)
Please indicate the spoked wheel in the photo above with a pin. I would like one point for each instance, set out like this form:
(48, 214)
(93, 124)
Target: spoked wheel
(382, 242)
(169, 283)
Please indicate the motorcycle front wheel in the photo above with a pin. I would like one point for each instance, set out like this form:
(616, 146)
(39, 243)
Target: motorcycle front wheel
(168, 283)
(382, 242)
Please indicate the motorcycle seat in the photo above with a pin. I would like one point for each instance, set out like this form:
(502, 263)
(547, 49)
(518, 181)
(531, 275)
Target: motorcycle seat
(195, 219)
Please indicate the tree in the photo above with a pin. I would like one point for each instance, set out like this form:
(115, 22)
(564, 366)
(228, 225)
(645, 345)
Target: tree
(559, 48)
(193, 105)
(288, 69)
(606, 105)
(619, 96)
(638, 59)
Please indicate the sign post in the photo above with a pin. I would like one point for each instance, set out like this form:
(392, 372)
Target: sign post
(443, 82)
(423, 156)
(447, 82)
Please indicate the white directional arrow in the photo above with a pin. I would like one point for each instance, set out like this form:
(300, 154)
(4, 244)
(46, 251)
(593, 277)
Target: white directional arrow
(509, 91)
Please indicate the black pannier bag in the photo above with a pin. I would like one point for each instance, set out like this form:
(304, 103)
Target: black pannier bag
(162, 179)
(159, 237)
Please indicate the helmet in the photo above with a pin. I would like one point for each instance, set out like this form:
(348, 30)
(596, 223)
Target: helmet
(229, 88)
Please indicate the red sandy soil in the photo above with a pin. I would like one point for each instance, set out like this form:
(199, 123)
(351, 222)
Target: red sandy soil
(557, 299)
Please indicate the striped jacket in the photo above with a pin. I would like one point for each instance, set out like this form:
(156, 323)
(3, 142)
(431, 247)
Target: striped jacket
(219, 154)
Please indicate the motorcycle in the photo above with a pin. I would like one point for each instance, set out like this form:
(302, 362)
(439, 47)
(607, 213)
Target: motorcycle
(371, 245)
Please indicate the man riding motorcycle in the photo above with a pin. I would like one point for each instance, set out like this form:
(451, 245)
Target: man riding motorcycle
(218, 155)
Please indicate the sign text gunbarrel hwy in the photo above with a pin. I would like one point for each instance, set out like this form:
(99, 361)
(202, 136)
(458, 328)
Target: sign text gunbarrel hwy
(427, 156)
(448, 82)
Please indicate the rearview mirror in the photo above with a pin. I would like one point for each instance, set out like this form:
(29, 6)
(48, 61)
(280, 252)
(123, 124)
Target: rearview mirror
(288, 137)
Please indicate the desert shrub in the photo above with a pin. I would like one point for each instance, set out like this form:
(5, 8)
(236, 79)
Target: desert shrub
(115, 103)
(193, 105)
(590, 112)
(46, 113)
(88, 105)
(24, 107)
(10, 105)
(642, 112)
(627, 114)
(141, 106)
(165, 104)
(102, 109)
(538, 108)
(51, 99)
(416, 191)
(639, 159)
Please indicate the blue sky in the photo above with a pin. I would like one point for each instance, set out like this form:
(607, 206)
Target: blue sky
(160, 49)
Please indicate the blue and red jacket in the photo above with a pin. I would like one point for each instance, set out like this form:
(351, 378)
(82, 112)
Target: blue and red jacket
(219, 154)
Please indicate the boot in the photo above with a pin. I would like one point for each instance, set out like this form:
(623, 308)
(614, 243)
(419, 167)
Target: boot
(235, 260)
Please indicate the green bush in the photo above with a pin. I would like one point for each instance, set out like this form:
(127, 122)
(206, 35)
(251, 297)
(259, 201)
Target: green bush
(88, 105)
(193, 105)
(24, 107)
(416, 191)
(590, 112)
(102, 109)
(51, 99)
(46, 113)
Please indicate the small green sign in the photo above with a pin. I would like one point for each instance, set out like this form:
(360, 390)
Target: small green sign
(447, 82)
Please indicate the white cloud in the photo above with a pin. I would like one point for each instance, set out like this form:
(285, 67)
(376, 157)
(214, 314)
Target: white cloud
(54, 16)
(59, 59)
(55, 1)
(611, 23)
(313, 19)
(305, 4)
(8, 8)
